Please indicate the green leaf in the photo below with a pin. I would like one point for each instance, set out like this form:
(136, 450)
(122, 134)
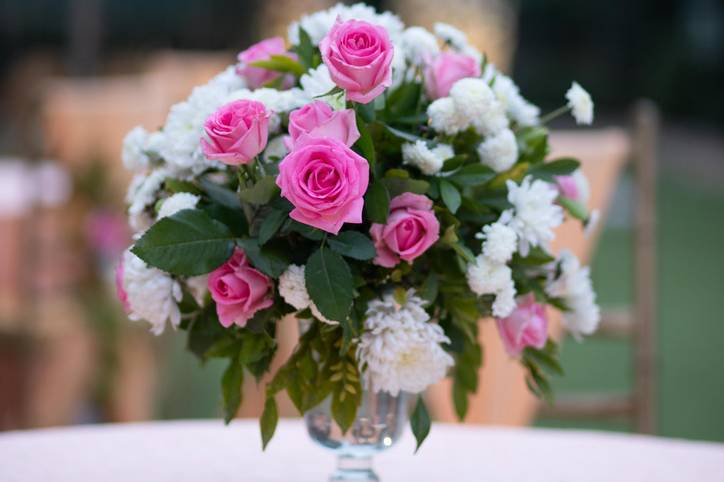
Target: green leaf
(270, 260)
(454, 163)
(558, 167)
(420, 422)
(308, 232)
(189, 243)
(280, 63)
(220, 194)
(460, 400)
(533, 144)
(429, 289)
(353, 245)
(260, 193)
(472, 175)
(204, 332)
(231, 382)
(271, 224)
(377, 203)
(402, 134)
(329, 282)
(176, 185)
(268, 421)
(574, 208)
(344, 409)
(305, 49)
(397, 185)
(364, 145)
(450, 196)
(404, 100)
(234, 219)
(365, 111)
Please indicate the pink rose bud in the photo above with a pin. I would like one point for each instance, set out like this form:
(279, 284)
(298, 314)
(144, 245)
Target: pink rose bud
(325, 181)
(359, 57)
(239, 290)
(256, 76)
(410, 230)
(237, 132)
(318, 119)
(574, 186)
(120, 289)
(446, 69)
(526, 326)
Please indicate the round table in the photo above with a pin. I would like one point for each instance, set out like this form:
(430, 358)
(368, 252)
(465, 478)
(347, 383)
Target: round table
(210, 452)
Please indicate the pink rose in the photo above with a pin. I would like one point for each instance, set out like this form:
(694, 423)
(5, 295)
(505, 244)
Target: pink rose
(410, 230)
(359, 57)
(526, 326)
(574, 186)
(325, 181)
(446, 69)
(120, 290)
(256, 76)
(239, 290)
(318, 119)
(237, 132)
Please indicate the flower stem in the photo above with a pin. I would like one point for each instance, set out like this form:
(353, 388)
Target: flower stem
(556, 113)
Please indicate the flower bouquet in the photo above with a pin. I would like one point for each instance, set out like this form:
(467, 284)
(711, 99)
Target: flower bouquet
(386, 186)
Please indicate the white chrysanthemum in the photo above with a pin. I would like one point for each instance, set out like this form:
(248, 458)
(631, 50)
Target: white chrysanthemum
(319, 23)
(507, 92)
(453, 36)
(500, 242)
(418, 45)
(228, 80)
(580, 103)
(133, 152)
(535, 214)
(445, 118)
(429, 161)
(400, 349)
(292, 287)
(275, 150)
(152, 294)
(317, 81)
(504, 303)
(198, 286)
(142, 194)
(486, 277)
(499, 151)
(177, 202)
(475, 102)
(575, 288)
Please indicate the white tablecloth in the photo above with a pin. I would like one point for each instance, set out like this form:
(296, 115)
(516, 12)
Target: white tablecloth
(210, 452)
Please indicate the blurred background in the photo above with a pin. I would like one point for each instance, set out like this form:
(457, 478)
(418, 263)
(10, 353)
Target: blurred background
(76, 75)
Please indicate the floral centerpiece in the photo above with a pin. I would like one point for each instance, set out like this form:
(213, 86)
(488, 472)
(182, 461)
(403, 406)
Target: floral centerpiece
(387, 186)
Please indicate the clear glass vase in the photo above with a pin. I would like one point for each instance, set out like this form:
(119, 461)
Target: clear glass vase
(380, 421)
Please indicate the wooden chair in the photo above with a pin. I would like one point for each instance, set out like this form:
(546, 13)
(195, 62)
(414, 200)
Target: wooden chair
(636, 322)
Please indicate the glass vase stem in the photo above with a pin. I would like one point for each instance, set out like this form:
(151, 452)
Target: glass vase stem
(356, 468)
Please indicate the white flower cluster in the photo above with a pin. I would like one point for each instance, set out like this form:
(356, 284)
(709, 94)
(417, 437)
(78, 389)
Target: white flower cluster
(456, 39)
(534, 215)
(177, 202)
(418, 45)
(317, 82)
(500, 242)
(500, 151)
(518, 108)
(488, 277)
(319, 23)
(401, 349)
(293, 290)
(152, 294)
(428, 160)
(575, 288)
(471, 103)
(142, 195)
(580, 103)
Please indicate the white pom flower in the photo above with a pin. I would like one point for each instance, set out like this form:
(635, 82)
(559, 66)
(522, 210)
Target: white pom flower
(580, 103)
(429, 161)
(499, 151)
(454, 37)
(133, 152)
(504, 303)
(293, 288)
(500, 242)
(475, 102)
(507, 92)
(177, 202)
(400, 349)
(143, 194)
(418, 45)
(317, 82)
(228, 80)
(487, 277)
(575, 288)
(445, 118)
(319, 23)
(152, 294)
(535, 214)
